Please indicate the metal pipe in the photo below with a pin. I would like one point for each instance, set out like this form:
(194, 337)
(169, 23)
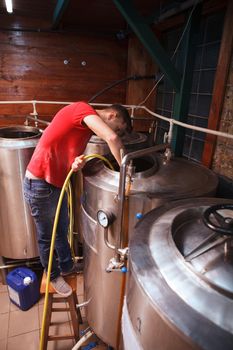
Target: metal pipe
(109, 245)
(83, 340)
(133, 77)
(84, 304)
(122, 180)
(36, 120)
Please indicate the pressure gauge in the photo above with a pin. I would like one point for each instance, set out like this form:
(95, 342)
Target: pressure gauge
(105, 218)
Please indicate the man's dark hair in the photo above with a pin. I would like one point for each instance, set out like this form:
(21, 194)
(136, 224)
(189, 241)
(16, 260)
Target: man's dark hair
(124, 114)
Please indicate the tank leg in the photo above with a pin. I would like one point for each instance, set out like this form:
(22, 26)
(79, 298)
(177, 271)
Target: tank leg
(3, 271)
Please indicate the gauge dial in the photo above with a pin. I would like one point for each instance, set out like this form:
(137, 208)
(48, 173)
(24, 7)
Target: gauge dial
(105, 218)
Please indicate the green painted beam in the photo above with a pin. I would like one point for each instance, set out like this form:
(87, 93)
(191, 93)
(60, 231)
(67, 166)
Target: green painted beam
(149, 40)
(58, 12)
(182, 98)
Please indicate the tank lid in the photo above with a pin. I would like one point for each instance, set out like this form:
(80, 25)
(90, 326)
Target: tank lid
(96, 139)
(134, 137)
(204, 237)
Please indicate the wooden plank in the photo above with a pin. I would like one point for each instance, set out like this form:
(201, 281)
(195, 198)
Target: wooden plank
(7, 22)
(32, 68)
(140, 63)
(219, 85)
(41, 90)
(62, 42)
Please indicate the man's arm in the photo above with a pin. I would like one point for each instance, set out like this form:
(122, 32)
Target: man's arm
(101, 129)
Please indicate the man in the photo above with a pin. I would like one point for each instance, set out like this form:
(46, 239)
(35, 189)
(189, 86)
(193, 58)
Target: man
(60, 148)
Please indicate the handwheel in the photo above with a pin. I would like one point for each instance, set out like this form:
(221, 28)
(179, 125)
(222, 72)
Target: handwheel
(216, 221)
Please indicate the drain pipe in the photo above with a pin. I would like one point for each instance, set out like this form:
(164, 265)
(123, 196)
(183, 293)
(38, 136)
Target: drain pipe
(83, 340)
(121, 194)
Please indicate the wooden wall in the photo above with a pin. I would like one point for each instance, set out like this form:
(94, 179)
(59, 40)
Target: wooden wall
(223, 156)
(33, 67)
(140, 63)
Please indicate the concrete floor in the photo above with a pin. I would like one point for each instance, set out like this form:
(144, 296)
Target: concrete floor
(21, 329)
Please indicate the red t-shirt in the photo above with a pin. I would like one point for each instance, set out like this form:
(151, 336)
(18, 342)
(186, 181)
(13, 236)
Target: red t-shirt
(64, 139)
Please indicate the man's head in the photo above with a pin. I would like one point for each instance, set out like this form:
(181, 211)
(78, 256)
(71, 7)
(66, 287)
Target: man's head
(117, 117)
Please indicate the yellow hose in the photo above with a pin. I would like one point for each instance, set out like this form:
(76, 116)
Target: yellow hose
(90, 156)
(70, 204)
(94, 155)
(71, 216)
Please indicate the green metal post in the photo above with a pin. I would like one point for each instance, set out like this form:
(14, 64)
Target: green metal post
(149, 40)
(58, 12)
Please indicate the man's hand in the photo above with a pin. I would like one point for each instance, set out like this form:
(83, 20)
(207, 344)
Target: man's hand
(78, 163)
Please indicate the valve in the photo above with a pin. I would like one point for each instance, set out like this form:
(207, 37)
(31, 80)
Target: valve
(218, 222)
(114, 265)
(117, 264)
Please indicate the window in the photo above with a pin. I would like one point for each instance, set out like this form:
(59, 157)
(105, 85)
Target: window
(206, 59)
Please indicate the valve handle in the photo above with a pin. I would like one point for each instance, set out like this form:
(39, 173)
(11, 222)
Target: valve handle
(216, 221)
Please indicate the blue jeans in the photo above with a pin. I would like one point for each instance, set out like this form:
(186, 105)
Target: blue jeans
(42, 198)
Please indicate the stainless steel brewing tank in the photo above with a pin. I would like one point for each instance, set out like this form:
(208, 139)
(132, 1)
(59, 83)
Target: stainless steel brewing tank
(174, 300)
(154, 183)
(96, 145)
(17, 232)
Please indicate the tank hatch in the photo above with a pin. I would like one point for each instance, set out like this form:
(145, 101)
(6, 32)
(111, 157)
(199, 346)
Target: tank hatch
(204, 236)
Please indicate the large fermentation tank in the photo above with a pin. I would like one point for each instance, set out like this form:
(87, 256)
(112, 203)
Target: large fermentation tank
(96, 145)
(155, 181)
(17, 232)
(180, 286)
